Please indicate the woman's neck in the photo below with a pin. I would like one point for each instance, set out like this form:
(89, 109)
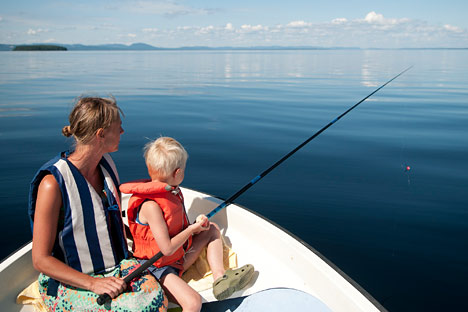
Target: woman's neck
(86, 158)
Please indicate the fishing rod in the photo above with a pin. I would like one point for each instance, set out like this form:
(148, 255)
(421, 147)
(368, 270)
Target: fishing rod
(105, 297)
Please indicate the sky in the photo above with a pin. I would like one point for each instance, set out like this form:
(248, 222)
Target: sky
(240, 23)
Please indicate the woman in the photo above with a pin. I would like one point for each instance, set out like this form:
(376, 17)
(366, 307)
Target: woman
(79, 242)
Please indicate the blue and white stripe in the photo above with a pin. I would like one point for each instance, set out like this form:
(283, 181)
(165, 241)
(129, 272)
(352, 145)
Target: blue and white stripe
(85, 239)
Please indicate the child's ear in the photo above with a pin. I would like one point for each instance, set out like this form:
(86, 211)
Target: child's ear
(176, 172)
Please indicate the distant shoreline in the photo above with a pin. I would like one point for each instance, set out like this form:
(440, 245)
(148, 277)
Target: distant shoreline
(147, 47)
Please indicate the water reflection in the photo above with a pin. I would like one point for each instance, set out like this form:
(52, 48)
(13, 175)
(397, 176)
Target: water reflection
(15, 112)
(238, 111)
(367, 69)
(228, 66)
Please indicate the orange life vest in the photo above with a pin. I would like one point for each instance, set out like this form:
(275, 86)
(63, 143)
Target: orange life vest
(171, 201)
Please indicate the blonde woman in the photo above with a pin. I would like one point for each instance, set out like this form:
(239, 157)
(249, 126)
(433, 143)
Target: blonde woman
(79, 243)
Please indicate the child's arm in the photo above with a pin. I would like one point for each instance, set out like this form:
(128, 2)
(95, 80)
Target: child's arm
(151, 214)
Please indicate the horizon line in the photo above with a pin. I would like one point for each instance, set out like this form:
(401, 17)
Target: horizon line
(265, 47)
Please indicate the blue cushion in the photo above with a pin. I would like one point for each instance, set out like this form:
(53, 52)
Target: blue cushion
(275, 299)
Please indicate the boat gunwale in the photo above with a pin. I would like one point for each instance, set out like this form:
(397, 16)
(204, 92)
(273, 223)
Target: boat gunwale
(13, 256)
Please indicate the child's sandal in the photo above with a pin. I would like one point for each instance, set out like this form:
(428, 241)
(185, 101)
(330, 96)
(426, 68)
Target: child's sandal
(232, 281)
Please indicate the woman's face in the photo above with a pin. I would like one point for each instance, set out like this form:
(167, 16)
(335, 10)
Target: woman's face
(112, 136)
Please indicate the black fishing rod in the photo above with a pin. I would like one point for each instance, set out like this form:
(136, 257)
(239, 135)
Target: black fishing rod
(105, 297)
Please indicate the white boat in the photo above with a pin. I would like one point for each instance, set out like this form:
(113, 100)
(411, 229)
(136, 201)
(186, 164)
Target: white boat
(282, 262)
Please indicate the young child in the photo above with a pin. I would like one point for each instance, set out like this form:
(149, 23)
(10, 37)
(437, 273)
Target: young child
(158, 222)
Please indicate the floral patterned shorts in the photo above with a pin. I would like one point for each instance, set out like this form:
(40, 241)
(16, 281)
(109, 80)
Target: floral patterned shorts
(143, 294)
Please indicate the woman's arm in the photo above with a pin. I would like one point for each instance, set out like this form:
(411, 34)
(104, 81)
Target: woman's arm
(151, 213)
(46, 216)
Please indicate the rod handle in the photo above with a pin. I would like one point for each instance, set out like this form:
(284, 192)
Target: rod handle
(102, 299)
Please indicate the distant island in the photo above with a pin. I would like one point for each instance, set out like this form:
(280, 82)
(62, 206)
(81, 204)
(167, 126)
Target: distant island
(39, 47)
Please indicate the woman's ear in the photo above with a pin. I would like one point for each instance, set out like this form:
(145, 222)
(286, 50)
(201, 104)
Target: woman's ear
(100, 133)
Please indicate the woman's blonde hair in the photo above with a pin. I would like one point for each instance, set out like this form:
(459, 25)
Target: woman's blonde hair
(89, 115)
(164, 155)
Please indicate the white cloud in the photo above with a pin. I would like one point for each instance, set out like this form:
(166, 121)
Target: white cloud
(339, 21)
(229, 27)
(298, 24)
(373, 17)
(454, 29)
(33, 32)
(150, 30)
(376, 18)
(259, 27)
(250, 28)
(205, 30)
(187, 28)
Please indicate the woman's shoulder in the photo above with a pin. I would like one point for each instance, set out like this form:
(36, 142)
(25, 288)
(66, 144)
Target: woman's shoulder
(49, 183)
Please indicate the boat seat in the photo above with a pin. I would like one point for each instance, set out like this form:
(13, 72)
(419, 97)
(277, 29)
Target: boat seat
(272, 300)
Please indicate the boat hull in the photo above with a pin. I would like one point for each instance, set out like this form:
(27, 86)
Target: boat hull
(281, 260)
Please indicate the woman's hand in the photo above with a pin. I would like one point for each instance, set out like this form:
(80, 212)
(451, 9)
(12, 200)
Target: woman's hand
(112, 286)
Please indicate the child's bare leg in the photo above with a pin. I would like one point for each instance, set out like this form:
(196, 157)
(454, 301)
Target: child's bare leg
(177, 290)
(214, 254)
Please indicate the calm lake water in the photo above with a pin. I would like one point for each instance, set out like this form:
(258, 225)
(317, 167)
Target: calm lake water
(402, 235)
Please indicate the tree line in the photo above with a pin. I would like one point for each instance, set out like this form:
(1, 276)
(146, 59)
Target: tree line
(40, 47)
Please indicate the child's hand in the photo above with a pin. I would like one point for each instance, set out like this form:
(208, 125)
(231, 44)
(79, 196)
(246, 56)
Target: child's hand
(201, 224)
(203, 220)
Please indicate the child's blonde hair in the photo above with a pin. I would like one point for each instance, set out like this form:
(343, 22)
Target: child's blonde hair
(164, 155)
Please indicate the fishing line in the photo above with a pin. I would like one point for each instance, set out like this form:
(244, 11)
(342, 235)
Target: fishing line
(105, 297)
(407, 169)
(405, 165)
